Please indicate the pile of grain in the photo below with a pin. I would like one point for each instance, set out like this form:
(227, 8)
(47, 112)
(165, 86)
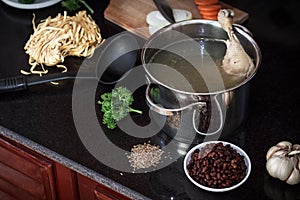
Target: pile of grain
(144, 156)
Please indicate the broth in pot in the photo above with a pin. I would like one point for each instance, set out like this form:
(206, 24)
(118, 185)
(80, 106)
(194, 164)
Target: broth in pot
(193, 66)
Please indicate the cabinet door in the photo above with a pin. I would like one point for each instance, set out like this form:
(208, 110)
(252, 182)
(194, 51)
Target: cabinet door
(24, 174)
(91, 190)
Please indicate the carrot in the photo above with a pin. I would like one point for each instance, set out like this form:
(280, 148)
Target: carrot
(205, 2)
(210, 13)
(210, 17)
(209, 8)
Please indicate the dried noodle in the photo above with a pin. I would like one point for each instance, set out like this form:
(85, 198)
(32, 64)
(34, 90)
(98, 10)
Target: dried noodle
(55, 38)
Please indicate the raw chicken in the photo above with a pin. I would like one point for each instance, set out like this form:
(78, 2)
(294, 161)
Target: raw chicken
(236, 61)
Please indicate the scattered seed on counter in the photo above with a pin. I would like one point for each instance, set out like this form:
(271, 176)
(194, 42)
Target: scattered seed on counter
(217, 166)
(144, 156)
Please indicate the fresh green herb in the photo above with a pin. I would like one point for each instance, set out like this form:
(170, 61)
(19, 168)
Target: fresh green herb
(116, 106)
(155, 94)
(74, 5)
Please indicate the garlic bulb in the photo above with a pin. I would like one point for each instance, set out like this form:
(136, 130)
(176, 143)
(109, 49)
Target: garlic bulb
(283, 162)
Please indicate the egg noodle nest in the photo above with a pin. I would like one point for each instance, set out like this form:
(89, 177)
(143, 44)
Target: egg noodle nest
(56, 38)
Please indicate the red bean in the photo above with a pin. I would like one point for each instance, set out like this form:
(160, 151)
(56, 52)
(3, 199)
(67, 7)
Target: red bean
(217, 166)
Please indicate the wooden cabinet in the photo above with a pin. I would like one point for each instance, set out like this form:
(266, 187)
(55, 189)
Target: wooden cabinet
(27, 175)
(89, 189)
(24, 174)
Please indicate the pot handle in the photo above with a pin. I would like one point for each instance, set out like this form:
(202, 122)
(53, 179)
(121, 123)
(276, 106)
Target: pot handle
(166, 111)
(221, 120)
(243, 29)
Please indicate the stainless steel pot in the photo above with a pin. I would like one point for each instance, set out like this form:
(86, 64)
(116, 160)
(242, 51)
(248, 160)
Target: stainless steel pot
(177, 92)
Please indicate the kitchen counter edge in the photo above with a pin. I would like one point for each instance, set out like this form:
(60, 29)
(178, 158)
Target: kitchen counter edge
(71, 164)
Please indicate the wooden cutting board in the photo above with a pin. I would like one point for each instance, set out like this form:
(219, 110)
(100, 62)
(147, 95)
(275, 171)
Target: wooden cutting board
(131, 14)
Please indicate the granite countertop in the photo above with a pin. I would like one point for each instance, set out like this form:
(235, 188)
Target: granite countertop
(42, 119)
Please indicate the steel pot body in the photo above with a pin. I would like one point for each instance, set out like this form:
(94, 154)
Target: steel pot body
(197, 101)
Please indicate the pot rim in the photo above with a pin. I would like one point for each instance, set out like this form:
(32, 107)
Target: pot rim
(237, 28)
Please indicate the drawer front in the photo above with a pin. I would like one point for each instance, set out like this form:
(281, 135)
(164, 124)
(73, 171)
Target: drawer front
(89, 189)
(24, 174)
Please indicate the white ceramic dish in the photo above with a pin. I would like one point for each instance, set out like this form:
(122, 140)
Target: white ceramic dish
(200, 146)
(157, 21)
(36, 5)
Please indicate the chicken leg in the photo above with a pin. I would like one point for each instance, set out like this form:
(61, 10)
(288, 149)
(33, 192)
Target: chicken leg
(236, 61)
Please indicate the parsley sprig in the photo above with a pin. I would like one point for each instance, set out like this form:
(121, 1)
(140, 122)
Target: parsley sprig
(74, 5)
(116, 106)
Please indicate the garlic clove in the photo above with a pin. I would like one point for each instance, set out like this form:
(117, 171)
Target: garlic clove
(286, 169)
(279, 167)
(298, 162)
(271, 151)
(284, 145)
(280, 153)
(296, 147)
(272, 165)
(294, 178)
(294, 152)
